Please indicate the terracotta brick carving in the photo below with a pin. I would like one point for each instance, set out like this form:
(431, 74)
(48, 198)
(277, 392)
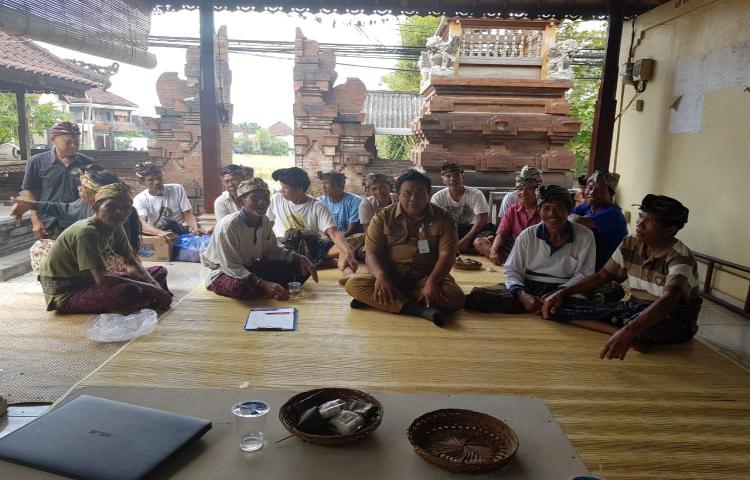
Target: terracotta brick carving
(176, 132)
(328, 129)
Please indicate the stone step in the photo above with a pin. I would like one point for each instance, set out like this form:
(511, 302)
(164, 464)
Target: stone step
(14, 265)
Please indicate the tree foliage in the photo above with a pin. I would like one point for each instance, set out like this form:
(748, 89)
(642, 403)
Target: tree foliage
(261, 142)
(41, 116)
(583, 95)
(406, 78)
(414, 33)
(123, 144)
(249, 128)
(395, 147)
(271, 145)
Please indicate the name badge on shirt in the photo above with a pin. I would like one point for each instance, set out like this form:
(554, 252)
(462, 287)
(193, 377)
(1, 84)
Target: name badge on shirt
(423, 246)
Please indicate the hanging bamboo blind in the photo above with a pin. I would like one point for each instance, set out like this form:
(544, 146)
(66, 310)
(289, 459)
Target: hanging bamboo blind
(106, 28)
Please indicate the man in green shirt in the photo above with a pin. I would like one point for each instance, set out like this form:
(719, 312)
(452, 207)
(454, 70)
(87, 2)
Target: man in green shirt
(74, 277)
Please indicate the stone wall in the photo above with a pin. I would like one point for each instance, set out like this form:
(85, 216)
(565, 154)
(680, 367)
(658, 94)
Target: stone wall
(176, 142)
(328, 129)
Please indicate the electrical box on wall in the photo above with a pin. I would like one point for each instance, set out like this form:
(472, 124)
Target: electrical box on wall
(626, 72)
(643, 70)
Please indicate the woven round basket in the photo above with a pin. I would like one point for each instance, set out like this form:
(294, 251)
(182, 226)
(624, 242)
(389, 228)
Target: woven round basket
(291, 411)
(463, 441)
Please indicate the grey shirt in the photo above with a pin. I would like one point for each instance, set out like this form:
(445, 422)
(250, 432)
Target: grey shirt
(51, 181)
(65, 213)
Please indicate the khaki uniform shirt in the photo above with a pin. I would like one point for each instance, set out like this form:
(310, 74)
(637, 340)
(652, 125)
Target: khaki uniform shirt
(394, 237)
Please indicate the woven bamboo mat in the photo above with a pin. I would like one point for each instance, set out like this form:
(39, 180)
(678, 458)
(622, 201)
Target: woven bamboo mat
(679, 412)
(43, 354)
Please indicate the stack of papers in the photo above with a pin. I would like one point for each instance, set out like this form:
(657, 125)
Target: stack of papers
(271, 319)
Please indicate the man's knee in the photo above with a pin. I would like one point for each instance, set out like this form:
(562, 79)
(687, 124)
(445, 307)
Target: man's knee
(359, 283)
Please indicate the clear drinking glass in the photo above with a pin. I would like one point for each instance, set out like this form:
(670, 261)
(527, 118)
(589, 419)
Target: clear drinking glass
(295, 289)
(250, 419)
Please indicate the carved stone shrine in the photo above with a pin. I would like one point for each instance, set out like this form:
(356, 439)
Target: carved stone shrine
(495, 110)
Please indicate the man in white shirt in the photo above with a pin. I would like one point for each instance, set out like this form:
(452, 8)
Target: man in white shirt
(231, 177)
(545, 257)
(243, 256)
(466, 205)
(294, 213)
(164, 209)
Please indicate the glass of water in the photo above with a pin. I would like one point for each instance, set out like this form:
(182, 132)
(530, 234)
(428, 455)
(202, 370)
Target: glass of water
(250, 419)
(295, 289)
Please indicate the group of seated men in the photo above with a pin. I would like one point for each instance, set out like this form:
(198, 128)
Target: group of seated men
(562, 263)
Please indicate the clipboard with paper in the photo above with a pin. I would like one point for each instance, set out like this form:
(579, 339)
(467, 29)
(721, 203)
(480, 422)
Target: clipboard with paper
(267, 318)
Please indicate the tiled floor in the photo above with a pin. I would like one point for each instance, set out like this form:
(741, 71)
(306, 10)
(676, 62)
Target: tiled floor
(726, 332)
(18, 416)
(720, 329)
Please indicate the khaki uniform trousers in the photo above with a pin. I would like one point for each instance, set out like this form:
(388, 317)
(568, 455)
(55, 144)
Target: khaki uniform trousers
(361, 286)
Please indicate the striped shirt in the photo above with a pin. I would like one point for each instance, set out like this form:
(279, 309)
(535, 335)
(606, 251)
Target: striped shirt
(649, 276)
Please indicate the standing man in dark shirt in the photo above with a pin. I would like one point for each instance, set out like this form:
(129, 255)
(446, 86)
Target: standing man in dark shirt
(52, 176)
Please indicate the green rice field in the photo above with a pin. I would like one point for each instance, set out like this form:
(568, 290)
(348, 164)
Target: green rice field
(264, 165)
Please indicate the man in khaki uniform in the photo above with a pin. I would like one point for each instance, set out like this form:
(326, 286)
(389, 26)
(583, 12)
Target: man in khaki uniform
(411, 246)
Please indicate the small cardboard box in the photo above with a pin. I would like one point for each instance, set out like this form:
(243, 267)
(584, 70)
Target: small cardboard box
(155, 249)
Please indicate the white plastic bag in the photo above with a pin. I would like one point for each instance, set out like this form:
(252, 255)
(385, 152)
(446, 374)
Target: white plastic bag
(112, 327)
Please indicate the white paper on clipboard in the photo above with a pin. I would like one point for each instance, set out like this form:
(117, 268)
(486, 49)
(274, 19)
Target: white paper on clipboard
(271, 319)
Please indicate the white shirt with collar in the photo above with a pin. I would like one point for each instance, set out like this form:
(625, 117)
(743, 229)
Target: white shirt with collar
(533, 258)
(224, 205)
(235, 246)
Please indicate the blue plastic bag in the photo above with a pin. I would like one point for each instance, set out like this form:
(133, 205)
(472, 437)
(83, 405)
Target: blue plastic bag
(189, 247)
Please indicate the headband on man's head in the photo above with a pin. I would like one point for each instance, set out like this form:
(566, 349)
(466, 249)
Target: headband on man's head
(113, 190)
(451, 168)
(147, 169)
(607, 178)
(252, 185)
(664, 207)
(554, 194)
(529, 177)
(237, 170)
(374, 178)
(88, 182)
(65, 128)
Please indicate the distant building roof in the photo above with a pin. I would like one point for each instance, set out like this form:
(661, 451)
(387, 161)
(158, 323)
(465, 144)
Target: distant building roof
(391, 112)
(26, 65)
(280, 129)
(102, 97)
